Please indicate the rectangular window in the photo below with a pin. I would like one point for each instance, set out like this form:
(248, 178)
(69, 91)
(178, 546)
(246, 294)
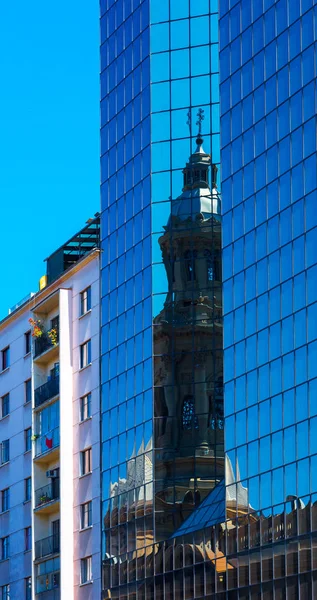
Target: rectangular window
(27, 342)
(85, 301)
(5, 405)
(5, 592)
(85, 461)
(27, 489)
(27, 439)
(85, 407)
(85, 569)
(5, 548)
(86, 515)
(85, 354)
(27, 538)
(28, 588)
(27, 391)
(5, 358)
(4, 452)
(5, 499)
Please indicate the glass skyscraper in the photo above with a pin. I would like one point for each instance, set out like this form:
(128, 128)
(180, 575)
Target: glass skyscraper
(268, 133)
(188, 514)
(162, 372)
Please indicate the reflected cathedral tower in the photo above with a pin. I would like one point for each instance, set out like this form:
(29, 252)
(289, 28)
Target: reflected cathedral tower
(187, 334)
(174, 471)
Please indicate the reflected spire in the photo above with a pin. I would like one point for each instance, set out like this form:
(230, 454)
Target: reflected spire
(200, 119)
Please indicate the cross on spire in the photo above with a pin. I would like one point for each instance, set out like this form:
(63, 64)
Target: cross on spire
(200, 118)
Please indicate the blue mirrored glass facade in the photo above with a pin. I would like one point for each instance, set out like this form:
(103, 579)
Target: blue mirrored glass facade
(161, 287)
(269, 201)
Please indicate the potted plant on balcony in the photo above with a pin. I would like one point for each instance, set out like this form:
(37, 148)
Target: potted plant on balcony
(37, 327)
(44, 498)
(52, 335)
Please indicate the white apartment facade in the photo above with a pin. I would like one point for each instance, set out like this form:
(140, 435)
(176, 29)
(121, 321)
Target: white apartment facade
(50, 526)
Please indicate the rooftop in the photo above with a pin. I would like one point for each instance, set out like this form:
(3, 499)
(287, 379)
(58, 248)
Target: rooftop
(65, 257)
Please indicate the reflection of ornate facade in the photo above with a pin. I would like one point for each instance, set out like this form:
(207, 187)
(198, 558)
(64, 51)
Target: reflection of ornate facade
(166, 485)
(188, 404)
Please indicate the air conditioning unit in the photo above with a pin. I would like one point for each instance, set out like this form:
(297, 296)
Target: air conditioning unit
(51, 473)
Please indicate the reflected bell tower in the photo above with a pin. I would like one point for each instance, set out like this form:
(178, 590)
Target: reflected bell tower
(188, 396)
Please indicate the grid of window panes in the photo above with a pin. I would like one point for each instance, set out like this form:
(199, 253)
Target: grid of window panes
(126, 369)
(268, 127)
(137, 287)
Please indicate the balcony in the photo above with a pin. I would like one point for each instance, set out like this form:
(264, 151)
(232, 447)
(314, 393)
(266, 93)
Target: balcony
(46, 391)
(50, 594)
(47, 443)
(47, 546)
(44, 349)
(46, 497)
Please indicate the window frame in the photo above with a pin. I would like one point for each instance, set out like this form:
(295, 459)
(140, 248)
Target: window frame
(5, 591)
(5, 400)
(5, 500)
(85, 301)
(27, 382)
(85, 407)
(85, 354)
(27, 343)
(5, 358)
(28, 439)
(27, 491)
(28, 588)
(4, 452)
(27, 538)
(5, 547)
(85, 463)
(86, 563)
(86, 513)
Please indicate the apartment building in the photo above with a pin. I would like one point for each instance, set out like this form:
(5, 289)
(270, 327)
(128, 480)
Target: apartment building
(49, 431)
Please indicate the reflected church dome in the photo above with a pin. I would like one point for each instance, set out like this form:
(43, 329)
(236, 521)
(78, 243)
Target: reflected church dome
(198, 200)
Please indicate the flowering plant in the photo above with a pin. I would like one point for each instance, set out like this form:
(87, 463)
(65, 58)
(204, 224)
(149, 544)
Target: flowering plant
(52, 334)
(37, 327)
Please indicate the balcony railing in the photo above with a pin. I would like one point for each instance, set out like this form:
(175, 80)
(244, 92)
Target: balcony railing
(47, 493)
(46, 391)
(44, 342)
(50, 594)
(47, 546)
(46, 442)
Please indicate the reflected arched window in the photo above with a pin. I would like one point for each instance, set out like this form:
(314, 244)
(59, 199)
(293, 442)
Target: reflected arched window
(210, 265)
(190, 257)
(210, 271)
(189, 419)
(216, 415)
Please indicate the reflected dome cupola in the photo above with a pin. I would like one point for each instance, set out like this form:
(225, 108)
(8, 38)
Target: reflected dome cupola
(196, 172)
(199, 199)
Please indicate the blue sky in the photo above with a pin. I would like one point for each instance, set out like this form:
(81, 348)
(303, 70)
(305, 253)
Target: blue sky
(49, 133)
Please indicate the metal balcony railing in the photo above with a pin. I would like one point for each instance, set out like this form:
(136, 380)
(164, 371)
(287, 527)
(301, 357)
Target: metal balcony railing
(47, 441)
(43, 343)
(53, 594)
(47, 546)
(47, 493)
(46, 391)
